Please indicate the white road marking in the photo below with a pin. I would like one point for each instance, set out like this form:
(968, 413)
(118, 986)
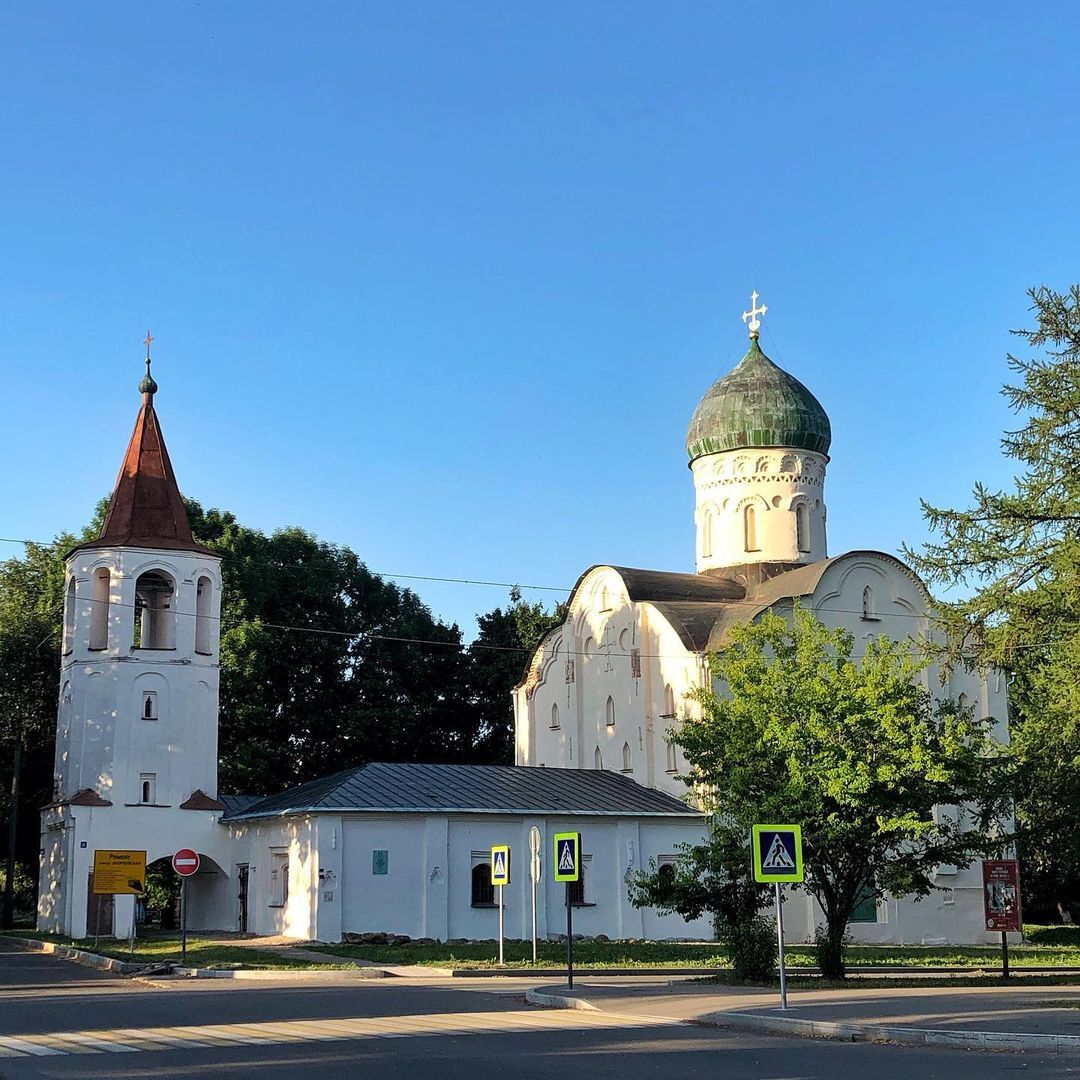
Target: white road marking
(134, 1040)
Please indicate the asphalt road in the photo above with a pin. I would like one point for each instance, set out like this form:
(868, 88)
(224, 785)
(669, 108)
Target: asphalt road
(83, 1024)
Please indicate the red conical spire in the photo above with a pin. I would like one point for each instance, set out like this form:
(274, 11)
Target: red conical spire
(146, 509)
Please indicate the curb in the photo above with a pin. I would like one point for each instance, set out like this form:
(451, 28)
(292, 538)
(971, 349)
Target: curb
(903, 1036)
(290, 974)
(558, 1001)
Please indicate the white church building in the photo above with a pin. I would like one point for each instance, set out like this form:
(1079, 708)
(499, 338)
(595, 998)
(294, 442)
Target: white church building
(405, 849)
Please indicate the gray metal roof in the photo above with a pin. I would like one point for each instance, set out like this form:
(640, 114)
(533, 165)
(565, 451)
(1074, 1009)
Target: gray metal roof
(469, 789)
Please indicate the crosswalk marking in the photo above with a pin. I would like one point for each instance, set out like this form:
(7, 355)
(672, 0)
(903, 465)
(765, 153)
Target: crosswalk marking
(258, 1033)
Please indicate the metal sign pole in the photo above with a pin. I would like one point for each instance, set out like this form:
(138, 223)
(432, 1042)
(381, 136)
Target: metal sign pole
(780, 945)
(183, 920)
(1004, 954)
(569, 941)
(134, 908)
(500, 925)
(534, 917)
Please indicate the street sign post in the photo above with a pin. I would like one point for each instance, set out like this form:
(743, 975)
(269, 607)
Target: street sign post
(535, 840)
(778, 859)
(500, 876)
(568, 868)
(1001, 902)
(185, 862)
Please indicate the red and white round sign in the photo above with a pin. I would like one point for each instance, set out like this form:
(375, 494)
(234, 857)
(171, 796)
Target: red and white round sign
(185, 862)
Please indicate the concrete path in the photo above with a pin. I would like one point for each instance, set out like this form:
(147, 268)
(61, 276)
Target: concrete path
(998, 1017)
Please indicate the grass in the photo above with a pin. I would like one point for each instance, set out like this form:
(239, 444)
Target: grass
(598, 955)
(200, 953)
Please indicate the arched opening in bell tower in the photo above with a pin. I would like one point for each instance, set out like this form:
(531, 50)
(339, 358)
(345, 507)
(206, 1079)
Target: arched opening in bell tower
(155, 621)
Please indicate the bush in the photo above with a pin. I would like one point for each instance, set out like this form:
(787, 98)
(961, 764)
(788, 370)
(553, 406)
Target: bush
(25, 892)
(751, 945)
(1052, 935)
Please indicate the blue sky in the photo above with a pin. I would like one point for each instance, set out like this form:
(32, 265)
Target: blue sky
(445, 282)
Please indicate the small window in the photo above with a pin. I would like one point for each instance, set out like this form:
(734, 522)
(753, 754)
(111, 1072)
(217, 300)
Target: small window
(669, 703)
(148, 788)
(866, 907)
(665, 877)
(750, 528)
(802, 526)
(279, 878)
(672, 761)
(627, 758)
(576, 889)
(609, 712)
(554, 716)
(598, 759)
(869, 612)
(706, 534)
(204, 596)
(69, 617)
(605, 600)
(149, 705)
(99, 610)
(483, 892)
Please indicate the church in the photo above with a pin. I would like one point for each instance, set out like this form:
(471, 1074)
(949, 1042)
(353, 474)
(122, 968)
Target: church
(405, 848)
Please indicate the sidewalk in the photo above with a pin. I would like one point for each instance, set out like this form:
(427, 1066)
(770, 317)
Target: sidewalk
(996, 1017)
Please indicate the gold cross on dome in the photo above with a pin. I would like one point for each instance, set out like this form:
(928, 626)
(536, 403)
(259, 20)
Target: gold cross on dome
(146, 342)
(753, 313)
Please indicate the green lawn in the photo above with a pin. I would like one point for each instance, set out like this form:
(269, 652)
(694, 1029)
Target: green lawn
(200, 953)
(1062, 951)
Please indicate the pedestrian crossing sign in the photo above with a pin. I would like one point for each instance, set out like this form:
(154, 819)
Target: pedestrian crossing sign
(500, 864)
(568, 856)
(777, 853)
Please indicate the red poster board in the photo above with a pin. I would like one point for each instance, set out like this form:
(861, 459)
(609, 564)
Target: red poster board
(1001, 894)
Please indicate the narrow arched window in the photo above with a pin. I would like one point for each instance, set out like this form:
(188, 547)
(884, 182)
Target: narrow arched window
(750, 528)
(665, 877)
(609, 712)
(204, 595)
(669, 703)
(868, 611)
(99, 610)
(554, 716)
(706, 534)
(802, 526)
(155, 623)
(627, 758)
(672, 761)
(149, 705)
(598, 759)
(483, 892)
(69, 617)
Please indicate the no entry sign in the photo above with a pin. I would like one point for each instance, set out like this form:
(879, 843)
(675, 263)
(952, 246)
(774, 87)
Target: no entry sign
(185, 862)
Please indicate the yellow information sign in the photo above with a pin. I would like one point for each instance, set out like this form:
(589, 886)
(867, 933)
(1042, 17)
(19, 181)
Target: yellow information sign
(120, 872)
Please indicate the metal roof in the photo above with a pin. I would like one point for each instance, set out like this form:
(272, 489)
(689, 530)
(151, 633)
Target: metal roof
(469, 789)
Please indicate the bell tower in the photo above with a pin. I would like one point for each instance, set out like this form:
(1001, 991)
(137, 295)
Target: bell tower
(136, 735)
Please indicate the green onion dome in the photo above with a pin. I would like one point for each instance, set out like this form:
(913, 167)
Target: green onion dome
(757, 404)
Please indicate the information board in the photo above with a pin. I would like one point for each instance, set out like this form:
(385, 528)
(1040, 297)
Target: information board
(1001, 894)
(120, 873)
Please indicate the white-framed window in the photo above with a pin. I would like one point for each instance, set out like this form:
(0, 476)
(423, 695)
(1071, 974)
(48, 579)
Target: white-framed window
(627, 758)
(672, 759)
(669, 704)
(69, 617)
(869, 612)
(750, 528)
(148, 788)
(802, 526)
(279, 877)
(554, 715)
(149, 705)
(598, 759)
(706, 533)
(609, 712)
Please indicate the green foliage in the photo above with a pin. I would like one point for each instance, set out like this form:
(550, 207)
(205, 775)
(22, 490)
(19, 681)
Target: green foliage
(25, 891)
(1013, 558)
(496, 661)
(851, 748)
(715, 879)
